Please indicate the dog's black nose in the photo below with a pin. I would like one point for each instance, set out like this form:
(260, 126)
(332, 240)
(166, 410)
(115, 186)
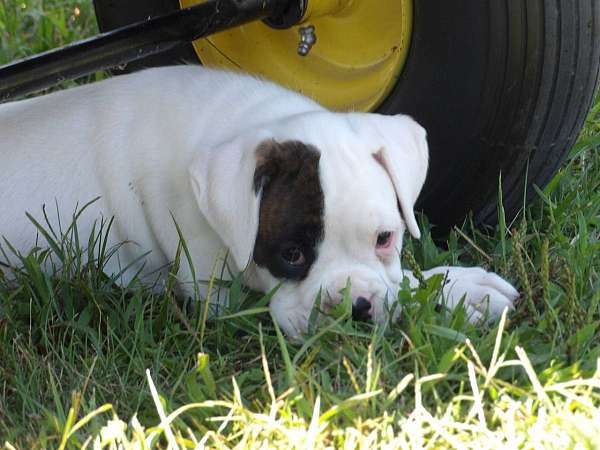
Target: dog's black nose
(360, 309)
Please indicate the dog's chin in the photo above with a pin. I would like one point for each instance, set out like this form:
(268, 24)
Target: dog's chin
(292, 307)
(293, 302)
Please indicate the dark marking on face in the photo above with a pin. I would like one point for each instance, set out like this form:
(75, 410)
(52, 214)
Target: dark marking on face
(291, 208)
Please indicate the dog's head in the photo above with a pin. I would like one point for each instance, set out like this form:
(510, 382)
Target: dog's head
(314, 201)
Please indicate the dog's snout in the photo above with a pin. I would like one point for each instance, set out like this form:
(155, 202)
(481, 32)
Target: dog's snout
(361, 309)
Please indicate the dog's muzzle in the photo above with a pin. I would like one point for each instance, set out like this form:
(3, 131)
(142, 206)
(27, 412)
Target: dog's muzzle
(361, 310)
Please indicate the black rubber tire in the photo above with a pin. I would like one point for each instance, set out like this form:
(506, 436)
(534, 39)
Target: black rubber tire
(502, 86)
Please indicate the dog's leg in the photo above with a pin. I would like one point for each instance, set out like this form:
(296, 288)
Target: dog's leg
(485, 294)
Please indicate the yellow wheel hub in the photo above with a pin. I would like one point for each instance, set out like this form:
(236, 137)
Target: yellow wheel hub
(360, 49)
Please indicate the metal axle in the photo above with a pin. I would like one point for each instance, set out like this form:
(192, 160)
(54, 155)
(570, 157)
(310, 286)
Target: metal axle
(137, 41)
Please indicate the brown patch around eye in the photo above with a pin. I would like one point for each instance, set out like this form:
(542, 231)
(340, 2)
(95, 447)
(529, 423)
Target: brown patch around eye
(291, 208)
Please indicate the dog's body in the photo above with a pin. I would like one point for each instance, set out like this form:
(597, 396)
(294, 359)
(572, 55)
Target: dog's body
(297, 194)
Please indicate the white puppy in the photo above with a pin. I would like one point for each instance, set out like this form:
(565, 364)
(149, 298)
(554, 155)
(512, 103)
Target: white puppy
(299, 195)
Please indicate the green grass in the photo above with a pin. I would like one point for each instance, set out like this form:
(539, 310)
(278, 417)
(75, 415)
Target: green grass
(29, 27)
(82, 359)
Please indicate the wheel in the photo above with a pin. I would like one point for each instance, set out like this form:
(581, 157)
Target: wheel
(502, 87)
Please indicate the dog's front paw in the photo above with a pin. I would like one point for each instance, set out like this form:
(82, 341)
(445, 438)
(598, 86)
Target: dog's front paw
(485, 293)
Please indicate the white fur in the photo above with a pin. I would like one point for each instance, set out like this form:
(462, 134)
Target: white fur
(181, 141)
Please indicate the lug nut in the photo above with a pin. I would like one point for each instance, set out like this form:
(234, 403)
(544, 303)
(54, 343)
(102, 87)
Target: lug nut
(308, 38)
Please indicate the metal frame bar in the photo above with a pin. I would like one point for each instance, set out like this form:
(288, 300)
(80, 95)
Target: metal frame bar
(131, 43)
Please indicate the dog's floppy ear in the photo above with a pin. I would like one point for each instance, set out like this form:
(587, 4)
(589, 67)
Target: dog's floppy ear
(405, 161)
(222, 179)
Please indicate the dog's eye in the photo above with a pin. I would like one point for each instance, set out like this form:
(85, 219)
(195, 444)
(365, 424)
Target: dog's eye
(293, 256)
(384, 239)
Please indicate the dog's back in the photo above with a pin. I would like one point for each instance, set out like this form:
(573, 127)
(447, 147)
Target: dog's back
(107, 139)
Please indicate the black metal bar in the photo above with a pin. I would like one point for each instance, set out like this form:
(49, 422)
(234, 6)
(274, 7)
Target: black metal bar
(130, 43)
